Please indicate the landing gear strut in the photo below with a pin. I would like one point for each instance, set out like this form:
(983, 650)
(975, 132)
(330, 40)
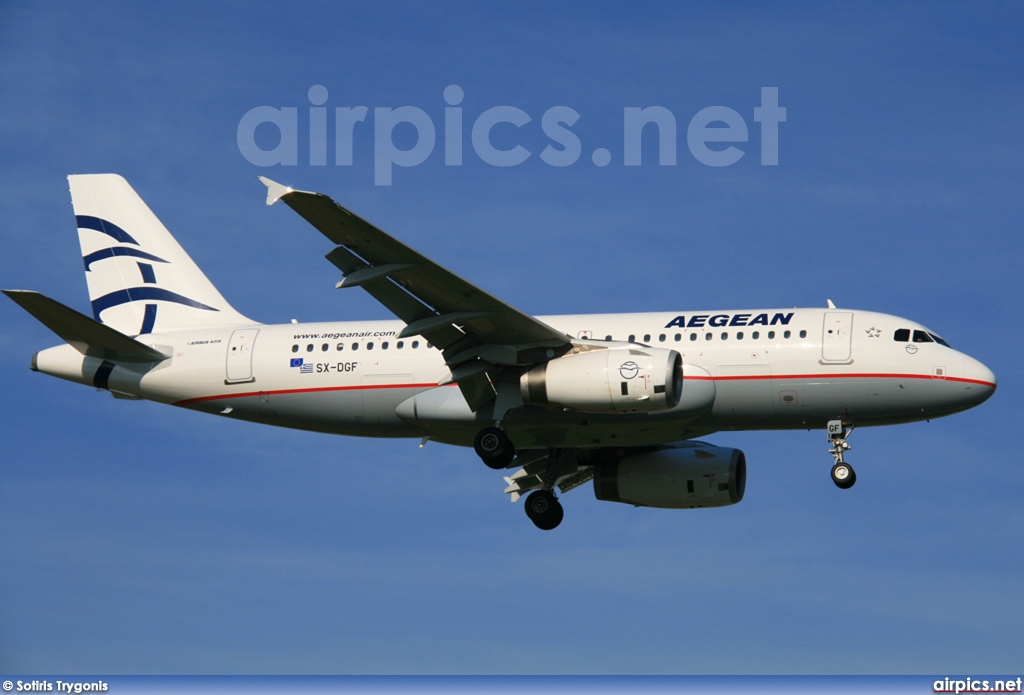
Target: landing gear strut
(843, 474)
(494, 447)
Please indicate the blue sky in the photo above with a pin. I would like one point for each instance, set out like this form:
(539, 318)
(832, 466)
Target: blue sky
(144, 539)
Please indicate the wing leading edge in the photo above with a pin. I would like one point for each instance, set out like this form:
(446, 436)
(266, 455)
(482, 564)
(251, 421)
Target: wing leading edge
(479, 335)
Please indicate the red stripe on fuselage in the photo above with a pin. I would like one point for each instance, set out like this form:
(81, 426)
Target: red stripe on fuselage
(827, 377)
(754, 377)
(254, 394)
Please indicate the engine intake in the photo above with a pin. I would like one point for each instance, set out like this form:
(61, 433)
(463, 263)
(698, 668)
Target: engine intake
(685, 477)
(616, 380)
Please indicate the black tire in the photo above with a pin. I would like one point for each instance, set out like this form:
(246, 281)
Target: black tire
(494, 447)
(843, 476)
(544, 510)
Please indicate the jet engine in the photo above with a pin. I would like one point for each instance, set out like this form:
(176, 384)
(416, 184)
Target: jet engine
(685, 477)
(615, 380)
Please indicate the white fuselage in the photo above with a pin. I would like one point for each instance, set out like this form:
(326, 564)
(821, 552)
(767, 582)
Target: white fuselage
(758, 369)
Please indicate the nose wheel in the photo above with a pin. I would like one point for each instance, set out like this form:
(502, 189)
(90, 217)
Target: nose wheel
(843, 474)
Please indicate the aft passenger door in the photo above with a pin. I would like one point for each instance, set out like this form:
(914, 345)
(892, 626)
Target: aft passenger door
(239, 366)
(836, 336)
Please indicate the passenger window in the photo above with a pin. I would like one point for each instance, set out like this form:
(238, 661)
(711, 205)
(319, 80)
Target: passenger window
(755, 335)
(429, 345)
(355, 346)
(325, 347)
(661, 338)
(295, 348)
(341, 346)
(632, 338)
(771, 335)
(922, 337)
(384, 346)
(309, 348)
(693, 337)
(786, 335)
(679, 336)
(647, 338)
(415, 344)
(803, 334)
(400, 344)
(707, 336)
(725, 336)
(739, 336)
(608, 338)
(902, 335)
(369, 346)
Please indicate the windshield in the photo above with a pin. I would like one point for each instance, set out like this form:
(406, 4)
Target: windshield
(905, 335)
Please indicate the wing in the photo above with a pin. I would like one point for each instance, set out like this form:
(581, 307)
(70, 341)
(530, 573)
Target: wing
(478, 334)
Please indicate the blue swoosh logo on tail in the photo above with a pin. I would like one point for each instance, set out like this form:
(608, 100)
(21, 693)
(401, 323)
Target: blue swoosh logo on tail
(138, 294)
(108, 228)
(119, 251)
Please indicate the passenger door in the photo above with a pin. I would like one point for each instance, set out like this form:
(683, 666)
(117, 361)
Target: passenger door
(836, 336)
(239, 365)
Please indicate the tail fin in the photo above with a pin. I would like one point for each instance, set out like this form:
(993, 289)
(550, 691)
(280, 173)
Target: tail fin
(140, 279)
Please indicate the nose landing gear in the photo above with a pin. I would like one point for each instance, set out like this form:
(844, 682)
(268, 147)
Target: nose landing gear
(843, 474)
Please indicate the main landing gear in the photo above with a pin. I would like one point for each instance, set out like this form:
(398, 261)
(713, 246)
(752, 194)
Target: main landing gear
(496, 450)
(544, 509)
(843, 474)
(494, 447)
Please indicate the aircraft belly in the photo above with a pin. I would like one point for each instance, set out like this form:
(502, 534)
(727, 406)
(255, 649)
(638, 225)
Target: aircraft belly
(333, 412)
(350, 412)
(534, 427)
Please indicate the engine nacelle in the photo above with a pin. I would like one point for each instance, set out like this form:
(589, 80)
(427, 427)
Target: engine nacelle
(615, 380)
(695, 475)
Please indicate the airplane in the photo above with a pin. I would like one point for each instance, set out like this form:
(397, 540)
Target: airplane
(616, 400)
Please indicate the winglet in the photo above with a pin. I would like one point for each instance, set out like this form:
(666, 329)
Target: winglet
(274, 190)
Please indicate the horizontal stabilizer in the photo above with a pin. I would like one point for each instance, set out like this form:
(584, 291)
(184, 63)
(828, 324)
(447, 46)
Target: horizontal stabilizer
(88, 336)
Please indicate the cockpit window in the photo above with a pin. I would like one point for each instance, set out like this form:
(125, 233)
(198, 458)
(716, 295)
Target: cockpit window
(902, 335)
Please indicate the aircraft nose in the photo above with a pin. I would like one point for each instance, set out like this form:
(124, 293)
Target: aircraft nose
(979, 380)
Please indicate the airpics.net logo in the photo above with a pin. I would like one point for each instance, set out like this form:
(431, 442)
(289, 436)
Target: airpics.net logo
(714, 135)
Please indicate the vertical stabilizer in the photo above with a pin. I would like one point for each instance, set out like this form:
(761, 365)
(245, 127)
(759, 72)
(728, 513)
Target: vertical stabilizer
(140, 279)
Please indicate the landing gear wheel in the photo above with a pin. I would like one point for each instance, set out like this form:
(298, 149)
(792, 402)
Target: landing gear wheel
(544, 510)
(843, 475)
(494, 447)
